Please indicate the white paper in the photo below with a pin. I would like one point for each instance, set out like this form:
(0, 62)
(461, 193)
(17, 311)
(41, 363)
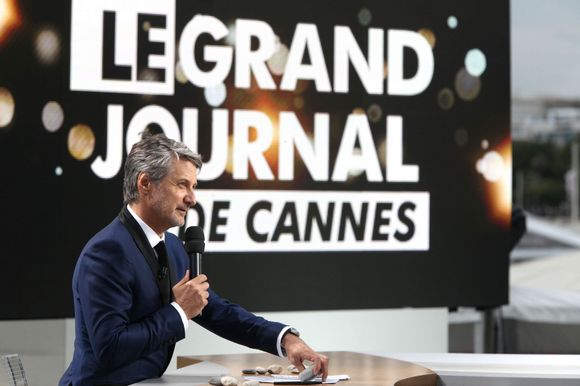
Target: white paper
(282, 378)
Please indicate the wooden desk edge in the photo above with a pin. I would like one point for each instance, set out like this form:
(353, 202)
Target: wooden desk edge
(415, 375)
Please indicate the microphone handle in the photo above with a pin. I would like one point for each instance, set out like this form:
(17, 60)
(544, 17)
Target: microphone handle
(194, 264)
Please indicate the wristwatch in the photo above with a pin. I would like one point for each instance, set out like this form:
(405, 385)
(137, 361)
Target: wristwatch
(292, 331)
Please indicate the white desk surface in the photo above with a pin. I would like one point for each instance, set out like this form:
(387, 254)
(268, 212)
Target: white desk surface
(496, 364)
(499, 369)
(453, 369)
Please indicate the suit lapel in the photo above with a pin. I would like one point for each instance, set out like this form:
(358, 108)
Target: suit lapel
(141, 242)
(172, 270)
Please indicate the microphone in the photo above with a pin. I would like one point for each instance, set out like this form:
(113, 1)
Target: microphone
(194, 246)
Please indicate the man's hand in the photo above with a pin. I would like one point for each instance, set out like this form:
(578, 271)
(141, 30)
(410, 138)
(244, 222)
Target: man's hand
(298, 351)
(191, 295)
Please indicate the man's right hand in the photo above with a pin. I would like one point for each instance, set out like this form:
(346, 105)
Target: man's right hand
(191, 295)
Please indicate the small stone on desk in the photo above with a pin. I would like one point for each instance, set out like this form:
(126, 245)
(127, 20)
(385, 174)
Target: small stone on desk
(275, 369)
(261, 370)
(293, 369)
(215, 381)
(228, 381)
(248, 371)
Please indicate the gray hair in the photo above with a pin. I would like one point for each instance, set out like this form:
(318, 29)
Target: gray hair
(153, 155)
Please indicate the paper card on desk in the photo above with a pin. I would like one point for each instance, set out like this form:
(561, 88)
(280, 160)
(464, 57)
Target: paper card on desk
(279, 381)
(294, 380)
(175, 380)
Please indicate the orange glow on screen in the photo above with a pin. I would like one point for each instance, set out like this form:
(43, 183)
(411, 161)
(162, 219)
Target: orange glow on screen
(500, 192)
(9, 18)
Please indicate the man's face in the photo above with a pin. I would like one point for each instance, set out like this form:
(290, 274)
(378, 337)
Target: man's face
(171, 197)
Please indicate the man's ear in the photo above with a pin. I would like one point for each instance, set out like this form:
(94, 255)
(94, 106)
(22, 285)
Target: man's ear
(143, 184)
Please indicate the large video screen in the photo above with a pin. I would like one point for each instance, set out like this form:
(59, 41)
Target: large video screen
(357, 154)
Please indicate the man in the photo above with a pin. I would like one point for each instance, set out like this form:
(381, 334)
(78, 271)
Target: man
(128, 316)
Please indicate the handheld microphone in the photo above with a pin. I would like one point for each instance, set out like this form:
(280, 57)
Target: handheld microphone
(194, 246)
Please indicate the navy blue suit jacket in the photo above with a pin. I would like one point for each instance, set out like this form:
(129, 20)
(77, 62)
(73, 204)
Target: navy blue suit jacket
(124, 332)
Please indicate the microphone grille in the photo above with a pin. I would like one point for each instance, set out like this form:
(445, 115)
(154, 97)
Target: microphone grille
(194, 233)
(194, 240)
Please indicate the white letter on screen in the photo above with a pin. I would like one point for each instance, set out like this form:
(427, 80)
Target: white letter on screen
(216, 165)
(396, 171)
(221, 56)
(346, 50)
(246, 152)
(398, 40)
(248, 61)
(357, 126)
(306, 38)
(147, 115)
(314, 152)
(110, 167)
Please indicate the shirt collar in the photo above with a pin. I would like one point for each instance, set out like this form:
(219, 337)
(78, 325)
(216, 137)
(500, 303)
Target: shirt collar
(152, 237)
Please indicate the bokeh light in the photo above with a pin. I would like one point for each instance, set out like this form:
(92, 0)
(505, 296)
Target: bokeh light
(81, 142)
(428, 35)
(452, 22)
(301, 86)
(364, 17)
(484, 144)
(9, 18)
(466, 85)
(231, 36)
(215, 95)
(7, 107)
(354, 173)
(270, 107)
(52, 116)
(375, 113)
(495, 167)
(445, 99)
(179, 74)
(277, 63)
(475, 62)
(382, 152)
(491, 166)
(230, 161)
(58, 171)
(461, 137)
(148, 75)
(47, 46)
(298, 103)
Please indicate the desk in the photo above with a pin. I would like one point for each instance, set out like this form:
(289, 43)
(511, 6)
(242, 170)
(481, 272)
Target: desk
(499, 369)
(364, 369)
(398, 369)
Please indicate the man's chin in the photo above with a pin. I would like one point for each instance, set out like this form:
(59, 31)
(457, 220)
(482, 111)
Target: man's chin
(179, 221)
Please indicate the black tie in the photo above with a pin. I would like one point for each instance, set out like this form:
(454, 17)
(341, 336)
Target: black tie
(163, 273)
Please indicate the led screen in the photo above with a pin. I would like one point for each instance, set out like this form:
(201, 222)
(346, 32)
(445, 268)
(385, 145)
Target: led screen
(357, 154)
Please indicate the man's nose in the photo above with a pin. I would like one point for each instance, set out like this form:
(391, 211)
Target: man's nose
(190, 198)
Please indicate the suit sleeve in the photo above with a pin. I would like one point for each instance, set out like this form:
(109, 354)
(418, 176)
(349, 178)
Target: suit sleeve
(105, 285)
(229, 320)
(233, 322)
